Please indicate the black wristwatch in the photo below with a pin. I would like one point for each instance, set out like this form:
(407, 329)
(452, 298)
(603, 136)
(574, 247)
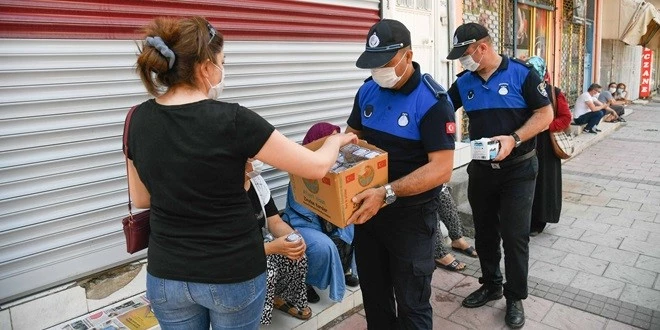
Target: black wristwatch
(517, 139)
(390, 196)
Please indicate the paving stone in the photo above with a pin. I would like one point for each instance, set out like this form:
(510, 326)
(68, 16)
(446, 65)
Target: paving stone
(444, 303)
(598, 284)
(551, 297)
(592, 225)
(568, 295)
(446, 280)
(628, 305)
(572, 289)
(599, 200)
(553, 273)
(615, 255)
(538, 293)
(594, 309)
(624, 318)
(605, 210)
(543, 287)
(648, 263)
(647, 226)
(579, 305)
(555, 291)
(638, 215)
(565, 301)
(536, 308)
(644, 310)
(630, 275)
(596, 303)
(564, 231)
(614, 302)
(547, 254)
(640, 247)
(627, 205)
(607, 239)
(641, 324)
(643, 317)
(627, 312)
(641, 296)
(564, 317)
(581, 299)
(585, 293)
(599, 297)
(610, 314)
(615, 220)
(629, 232)
(485, 317)
(559, 286)
(544, 239)
(545, 282)
(585, 264)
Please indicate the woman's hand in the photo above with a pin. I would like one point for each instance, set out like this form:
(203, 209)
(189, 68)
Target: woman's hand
(344, 138)
(292, 250)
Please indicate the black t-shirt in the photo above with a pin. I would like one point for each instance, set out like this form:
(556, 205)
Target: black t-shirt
(192, 160)
(270, 207)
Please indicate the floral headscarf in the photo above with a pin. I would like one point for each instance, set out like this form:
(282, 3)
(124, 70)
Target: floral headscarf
(538, 64)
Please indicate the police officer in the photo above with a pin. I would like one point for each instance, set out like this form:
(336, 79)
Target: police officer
(396, 224)
(506, 102)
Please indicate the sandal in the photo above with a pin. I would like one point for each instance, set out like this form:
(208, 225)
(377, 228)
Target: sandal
(303, 314)
(470, 251)
(454, 266)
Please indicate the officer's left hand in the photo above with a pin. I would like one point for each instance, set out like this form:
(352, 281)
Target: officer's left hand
(507, 143)
(371, 201)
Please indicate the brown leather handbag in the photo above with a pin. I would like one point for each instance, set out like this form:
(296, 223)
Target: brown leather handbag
(136, 226)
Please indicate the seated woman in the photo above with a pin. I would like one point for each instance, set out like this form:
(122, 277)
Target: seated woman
(286, 263)
(621, 94)
(448, 214)
(329, 250)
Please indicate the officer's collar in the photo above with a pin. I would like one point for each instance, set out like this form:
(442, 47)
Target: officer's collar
(412, 82)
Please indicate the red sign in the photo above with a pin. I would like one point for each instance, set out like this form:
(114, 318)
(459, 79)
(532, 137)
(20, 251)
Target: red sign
(450, 128)
(645, 81)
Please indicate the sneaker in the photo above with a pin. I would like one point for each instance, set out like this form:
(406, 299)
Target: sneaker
(592, 131)
(595, 128)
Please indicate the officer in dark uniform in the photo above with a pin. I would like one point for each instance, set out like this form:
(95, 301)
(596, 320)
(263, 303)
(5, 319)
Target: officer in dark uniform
(395, 224)
(506, 102)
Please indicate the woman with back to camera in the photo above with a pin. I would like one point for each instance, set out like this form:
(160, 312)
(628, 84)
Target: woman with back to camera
(546, 207)
(186, 160)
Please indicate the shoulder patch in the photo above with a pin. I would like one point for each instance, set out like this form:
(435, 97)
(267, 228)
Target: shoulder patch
(525, 64)
(462, 73)
(541, 89)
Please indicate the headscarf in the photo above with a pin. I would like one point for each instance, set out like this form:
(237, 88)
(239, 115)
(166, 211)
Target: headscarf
(538, 64)
(320, 130)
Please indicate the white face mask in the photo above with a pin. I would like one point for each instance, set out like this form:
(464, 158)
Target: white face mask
(619, 90)
(612, 90)
(214, 91)
(468, 63)
(386, 77)
(596, 95)
(257, 168)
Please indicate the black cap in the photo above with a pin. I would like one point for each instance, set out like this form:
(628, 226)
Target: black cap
(384, 40)
(464, 36)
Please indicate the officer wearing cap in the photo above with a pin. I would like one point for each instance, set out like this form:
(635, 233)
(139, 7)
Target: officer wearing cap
(506, 102)
(396, 224)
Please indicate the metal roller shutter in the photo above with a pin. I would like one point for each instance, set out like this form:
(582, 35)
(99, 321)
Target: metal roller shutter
(62, 106)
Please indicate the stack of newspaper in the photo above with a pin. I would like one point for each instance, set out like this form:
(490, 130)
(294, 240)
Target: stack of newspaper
(350, 155)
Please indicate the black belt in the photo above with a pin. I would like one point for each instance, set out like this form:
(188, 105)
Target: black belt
(507, 163)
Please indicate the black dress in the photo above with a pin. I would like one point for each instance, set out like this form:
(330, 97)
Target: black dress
(547, 197)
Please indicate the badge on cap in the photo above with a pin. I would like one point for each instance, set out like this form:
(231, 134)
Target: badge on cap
(373, 40)
(455, 40)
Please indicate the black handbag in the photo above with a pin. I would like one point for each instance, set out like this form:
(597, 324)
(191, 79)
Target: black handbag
(136, 226)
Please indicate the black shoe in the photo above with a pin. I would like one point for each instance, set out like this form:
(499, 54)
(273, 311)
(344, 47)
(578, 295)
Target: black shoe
(351, 280)
(596, 129)
(483, 295)
(312, 296)
(534, 233)
(515, 314)
(592, 131)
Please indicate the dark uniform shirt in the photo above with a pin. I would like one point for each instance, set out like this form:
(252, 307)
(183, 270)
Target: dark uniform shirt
(502, 104)
(407, 123)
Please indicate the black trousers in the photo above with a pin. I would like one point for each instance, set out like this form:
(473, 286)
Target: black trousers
(394, 256)
(501, 201)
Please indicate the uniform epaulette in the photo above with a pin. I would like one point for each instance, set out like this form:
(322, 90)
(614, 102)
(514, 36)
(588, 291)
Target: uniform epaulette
(438, 91)
(462, 73)
(527, 65)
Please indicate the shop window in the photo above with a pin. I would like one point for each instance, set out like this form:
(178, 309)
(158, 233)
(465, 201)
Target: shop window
(532, 32)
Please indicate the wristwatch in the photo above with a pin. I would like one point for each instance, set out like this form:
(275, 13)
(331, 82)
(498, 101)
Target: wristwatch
(390, 196)
(517, 139)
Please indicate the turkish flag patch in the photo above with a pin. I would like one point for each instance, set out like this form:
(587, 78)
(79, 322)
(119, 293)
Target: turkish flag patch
(450, 127)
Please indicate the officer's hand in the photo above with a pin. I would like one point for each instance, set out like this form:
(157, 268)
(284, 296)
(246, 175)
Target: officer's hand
(371, 201)
(507, 143)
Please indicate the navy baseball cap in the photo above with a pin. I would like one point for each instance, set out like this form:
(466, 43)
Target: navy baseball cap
(384, 40)
(464, 36)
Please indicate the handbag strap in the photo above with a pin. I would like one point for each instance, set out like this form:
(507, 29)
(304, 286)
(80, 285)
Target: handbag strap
(127, 124)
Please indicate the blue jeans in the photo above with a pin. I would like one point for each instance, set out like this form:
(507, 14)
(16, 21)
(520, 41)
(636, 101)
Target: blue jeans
(191, 305)
(590, 118)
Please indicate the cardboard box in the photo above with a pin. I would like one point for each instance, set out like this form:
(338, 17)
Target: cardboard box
(330, 196)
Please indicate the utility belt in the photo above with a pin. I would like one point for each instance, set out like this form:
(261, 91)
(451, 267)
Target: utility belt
(507, 163)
